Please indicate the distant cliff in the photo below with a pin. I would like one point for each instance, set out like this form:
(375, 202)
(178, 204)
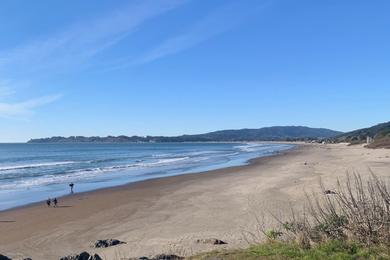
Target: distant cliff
(275, 133)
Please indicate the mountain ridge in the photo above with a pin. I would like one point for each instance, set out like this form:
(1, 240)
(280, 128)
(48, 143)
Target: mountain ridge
(273, 133)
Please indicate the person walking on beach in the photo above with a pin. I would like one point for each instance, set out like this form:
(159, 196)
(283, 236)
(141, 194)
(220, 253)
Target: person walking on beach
(55, 201)
(71, 187)
(48, 202)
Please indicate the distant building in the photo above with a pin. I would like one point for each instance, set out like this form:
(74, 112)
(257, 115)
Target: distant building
(369, 139)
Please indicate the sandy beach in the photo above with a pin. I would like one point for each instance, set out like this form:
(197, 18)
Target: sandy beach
(168, 215)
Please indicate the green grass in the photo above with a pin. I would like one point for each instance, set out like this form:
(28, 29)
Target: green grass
(279, 250)
(354, 224)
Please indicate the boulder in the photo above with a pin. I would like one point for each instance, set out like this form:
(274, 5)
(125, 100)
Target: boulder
(82, 256)
(329, 192)
(95, 257)
(3, 257)
(107, 242)
(211, 241)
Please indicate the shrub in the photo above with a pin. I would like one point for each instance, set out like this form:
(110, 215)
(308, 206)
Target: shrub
(357, 211)
(273, 234)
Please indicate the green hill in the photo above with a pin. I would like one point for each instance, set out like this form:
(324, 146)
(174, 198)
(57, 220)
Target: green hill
(380, 134)
(275, 133)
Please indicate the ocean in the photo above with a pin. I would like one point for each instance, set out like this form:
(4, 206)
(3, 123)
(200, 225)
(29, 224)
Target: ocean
(34, 172)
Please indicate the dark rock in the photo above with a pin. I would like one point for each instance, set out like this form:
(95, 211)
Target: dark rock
(167, 257)
(329, 192)
(107, 242)
(28, 258)
(95, 257)
(212, 241)
(3, 257)
(82, 256)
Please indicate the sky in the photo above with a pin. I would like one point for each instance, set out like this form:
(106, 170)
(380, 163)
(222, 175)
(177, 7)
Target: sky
(171, 67)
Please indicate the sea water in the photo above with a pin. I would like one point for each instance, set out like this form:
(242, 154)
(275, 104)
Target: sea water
(34, 172)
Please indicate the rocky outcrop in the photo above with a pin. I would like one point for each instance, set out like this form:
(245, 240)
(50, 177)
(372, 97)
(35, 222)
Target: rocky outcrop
(211, 241)
(3, 257)
(82, 256)
(107, 242)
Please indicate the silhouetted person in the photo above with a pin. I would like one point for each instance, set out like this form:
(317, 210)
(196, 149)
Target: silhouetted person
(71, 187)
(48, 202)
(55, 201)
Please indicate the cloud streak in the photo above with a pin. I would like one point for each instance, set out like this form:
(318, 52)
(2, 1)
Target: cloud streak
(83, 41)
(26, 108)
(217, 22)
(70, 50)
(74, 48)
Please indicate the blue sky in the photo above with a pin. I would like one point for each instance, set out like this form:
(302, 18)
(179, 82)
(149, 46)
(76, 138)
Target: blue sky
(174, 67)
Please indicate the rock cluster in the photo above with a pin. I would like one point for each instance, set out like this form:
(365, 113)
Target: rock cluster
(3, 257)
(87, 256)
(82, 256)
(107, 242)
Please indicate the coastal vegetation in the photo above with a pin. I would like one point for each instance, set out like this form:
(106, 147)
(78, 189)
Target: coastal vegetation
(350, 222)
(380, 135)
(332, 249)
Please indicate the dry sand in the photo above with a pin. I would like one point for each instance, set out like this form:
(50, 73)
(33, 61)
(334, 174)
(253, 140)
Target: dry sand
(168, 215)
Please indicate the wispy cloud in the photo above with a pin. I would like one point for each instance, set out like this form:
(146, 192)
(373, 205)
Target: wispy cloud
(73, 48)
(20, 109)
(70, 50)
(25, 108)
(217, 22)
(83, 41)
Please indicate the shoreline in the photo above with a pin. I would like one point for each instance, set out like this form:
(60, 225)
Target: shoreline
(168, 215)
(247, 163)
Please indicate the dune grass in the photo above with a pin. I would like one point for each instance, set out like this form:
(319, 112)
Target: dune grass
(332, 249)
(351, 221)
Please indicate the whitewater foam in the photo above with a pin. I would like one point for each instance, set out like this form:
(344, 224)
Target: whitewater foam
(36, 165)
(28, 175)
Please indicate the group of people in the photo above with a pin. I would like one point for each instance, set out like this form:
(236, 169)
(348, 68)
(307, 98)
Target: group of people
(50, 201)
(54, 202)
